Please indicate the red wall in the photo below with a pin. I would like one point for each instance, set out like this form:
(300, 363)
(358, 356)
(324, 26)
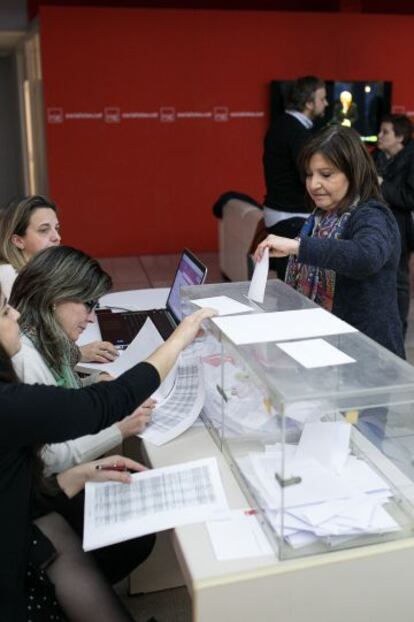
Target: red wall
(141, 185)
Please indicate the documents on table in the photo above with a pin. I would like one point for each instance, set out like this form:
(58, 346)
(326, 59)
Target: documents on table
(337, 496)
(315, 353)
(281, 326)
(156, 500)
(175, 414)
(223, 305)
(258, 283)
(146, 341)
(238, 535)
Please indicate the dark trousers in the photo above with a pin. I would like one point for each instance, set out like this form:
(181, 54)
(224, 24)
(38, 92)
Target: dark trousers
(403, 296)
(288, 228)
(116, 561)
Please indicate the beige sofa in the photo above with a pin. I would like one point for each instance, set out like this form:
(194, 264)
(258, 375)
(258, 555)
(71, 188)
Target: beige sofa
(237, 228)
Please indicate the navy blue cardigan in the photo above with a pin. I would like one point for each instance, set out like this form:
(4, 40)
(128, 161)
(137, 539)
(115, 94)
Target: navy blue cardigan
(365, 261)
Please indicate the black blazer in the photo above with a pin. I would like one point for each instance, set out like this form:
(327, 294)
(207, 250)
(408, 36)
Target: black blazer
(282, 145)
(398, 191)
(34, 415)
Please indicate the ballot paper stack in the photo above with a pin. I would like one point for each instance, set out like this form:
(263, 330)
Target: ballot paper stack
(337, 497)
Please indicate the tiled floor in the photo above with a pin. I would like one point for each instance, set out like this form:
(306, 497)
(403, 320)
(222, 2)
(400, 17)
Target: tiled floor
(153, 270)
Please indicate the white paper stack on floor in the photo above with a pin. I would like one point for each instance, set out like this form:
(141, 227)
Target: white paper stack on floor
(339, 496)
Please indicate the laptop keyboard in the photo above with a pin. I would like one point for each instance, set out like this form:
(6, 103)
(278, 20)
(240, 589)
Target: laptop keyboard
(136, 321)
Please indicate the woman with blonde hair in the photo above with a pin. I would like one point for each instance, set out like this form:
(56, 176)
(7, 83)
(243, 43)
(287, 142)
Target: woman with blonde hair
(27, 226)
(56, 294)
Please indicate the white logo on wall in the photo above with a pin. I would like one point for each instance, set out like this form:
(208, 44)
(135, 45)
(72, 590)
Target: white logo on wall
(112, 115)
(55, 115)
(167, 115)
(221, 113)
(398, 110)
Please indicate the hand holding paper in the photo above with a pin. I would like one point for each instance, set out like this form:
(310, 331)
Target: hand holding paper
(277, 247)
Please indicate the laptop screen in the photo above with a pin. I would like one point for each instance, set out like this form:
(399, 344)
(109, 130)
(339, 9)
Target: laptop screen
(190, 271)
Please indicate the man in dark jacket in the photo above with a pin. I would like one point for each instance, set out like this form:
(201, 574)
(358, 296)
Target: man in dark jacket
(394, 160)
(284, 203)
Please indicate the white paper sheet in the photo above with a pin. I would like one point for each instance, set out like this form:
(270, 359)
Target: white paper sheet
(281, 326)
(316, 484)
(258, 283)
(313, 353)
(238, 536)
(350, 504)
(156, 500)
(327, 442)
(223, 305)
(146, 341)
(180, 409)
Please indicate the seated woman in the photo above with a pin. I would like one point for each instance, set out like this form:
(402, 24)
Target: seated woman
(26, 227)
(43, 564)
(347, 253)
(55, 294)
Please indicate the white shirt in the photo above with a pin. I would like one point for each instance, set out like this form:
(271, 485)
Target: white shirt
(57, 457)
(7, 277)
(302, 118)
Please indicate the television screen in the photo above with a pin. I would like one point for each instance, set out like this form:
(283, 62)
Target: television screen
(360, 105)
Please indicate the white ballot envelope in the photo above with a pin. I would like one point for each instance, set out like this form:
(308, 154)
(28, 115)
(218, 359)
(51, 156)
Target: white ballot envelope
(258, 283)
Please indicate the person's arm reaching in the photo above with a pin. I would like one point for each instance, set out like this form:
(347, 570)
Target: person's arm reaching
(39, 414)
(165, 356)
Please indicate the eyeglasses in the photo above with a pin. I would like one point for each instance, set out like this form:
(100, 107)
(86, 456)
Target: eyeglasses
(90, 305)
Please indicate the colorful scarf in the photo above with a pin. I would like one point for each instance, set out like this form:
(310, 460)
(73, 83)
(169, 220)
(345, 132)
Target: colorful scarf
(66, 376)
(316, 283)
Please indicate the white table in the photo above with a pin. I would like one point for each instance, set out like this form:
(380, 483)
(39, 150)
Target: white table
(136, 300)
(362, 584)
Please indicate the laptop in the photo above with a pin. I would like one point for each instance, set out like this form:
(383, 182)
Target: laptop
(121, 328)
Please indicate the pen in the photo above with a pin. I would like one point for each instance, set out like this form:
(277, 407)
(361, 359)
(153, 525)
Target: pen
(111, 467)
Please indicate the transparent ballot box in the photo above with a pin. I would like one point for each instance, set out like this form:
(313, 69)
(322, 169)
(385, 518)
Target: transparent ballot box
(315, 419)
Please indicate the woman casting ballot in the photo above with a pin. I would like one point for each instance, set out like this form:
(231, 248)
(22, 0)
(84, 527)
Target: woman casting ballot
(347, 253)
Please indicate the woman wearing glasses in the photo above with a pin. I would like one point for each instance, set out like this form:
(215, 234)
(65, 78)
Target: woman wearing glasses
(55, 294)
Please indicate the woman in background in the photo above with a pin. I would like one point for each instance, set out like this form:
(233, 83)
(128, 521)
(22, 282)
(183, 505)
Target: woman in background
(27, 226)
(394, 160)
(44, 560)
(347, 253)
